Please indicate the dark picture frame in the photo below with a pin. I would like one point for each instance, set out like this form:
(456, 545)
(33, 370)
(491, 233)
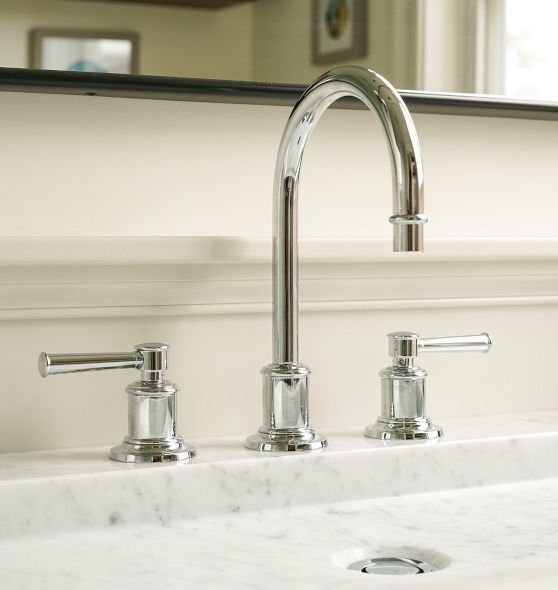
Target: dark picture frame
(339, 30)
(85, 41)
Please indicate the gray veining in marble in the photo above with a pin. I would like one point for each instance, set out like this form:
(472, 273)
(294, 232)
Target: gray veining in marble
(352, 468)
(237, 519)
(489, 538)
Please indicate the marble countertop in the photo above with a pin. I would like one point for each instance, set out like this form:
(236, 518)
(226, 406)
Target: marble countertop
(487, 538)
(482, 504)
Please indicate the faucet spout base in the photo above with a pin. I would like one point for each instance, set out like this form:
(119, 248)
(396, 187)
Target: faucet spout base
(286, 425)
(418, 428)
(303, 439)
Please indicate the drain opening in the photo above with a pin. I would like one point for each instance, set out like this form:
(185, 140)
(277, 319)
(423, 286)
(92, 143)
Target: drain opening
(392, 566)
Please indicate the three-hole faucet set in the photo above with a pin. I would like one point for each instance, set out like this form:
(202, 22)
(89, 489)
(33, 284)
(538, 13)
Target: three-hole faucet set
(286, 424)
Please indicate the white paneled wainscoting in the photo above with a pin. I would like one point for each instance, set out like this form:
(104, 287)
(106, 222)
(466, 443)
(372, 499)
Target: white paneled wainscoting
(210, 298)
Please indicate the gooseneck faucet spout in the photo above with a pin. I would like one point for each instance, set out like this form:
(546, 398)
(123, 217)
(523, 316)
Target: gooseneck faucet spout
(286, 424)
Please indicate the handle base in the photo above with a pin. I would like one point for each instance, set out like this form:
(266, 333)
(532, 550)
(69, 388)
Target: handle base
(152, 451)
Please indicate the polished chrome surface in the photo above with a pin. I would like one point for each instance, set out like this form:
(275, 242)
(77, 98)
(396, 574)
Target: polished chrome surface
(285, 382)
(285, 410)
(408, 218)
(163, 451)
(475, 343)
(392, 566)
(52, 364)
(403, 406)
(291, 439)
(151, 401)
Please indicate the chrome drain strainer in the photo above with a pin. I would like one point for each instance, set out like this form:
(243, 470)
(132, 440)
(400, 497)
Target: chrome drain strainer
(392, 566)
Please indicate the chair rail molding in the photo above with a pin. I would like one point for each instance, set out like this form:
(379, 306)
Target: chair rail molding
(88, 277)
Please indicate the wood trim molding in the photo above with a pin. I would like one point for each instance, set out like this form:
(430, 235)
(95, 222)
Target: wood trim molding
(119, 277)
(209, 4)
(182, 250)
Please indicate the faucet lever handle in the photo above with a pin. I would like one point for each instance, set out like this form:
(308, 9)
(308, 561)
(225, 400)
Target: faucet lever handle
(150, 357)
(474, 343)
(409, 344)
(403, 414)
(152, 436)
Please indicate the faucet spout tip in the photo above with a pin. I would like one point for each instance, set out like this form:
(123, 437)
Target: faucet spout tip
(408, 238)
(408, 232)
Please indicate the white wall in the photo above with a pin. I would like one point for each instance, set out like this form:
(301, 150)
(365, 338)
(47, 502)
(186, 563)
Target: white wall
(119, 169)
(102, 166)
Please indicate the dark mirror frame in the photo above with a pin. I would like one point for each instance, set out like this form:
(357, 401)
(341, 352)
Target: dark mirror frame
(261, 93)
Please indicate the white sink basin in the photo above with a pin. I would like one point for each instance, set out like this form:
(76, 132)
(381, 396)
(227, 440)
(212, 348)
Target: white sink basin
(481, 505)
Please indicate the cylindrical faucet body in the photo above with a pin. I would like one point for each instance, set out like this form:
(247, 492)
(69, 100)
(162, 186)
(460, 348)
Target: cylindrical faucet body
(286, 398)
(152, 433)
(403, 410)
(151, 411)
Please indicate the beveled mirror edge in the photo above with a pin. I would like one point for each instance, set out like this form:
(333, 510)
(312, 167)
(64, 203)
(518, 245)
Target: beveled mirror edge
(258, 93)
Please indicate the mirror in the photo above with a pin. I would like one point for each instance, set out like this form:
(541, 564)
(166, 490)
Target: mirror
(499, 47)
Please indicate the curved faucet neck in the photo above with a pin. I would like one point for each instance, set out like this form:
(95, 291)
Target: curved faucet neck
(407, 219)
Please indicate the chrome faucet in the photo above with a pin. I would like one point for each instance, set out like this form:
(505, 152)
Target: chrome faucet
(404, 384)
(286, 425)
(152, 436)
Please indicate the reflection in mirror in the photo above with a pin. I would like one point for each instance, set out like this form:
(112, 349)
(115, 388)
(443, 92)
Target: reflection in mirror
(502, 47)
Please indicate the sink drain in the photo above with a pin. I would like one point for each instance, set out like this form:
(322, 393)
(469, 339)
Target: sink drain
(392, 566)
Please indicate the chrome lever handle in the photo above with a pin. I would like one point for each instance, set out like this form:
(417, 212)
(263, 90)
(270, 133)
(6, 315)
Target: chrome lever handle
(403, 414)
(54, 364)
(409, 344)
(152, 433)
(474, 343)
(150, 357)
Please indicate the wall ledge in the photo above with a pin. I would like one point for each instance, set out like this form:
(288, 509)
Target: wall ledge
(69, 277)
(122, 250)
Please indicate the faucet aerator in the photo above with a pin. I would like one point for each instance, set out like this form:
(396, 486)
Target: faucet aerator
(408, 238)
